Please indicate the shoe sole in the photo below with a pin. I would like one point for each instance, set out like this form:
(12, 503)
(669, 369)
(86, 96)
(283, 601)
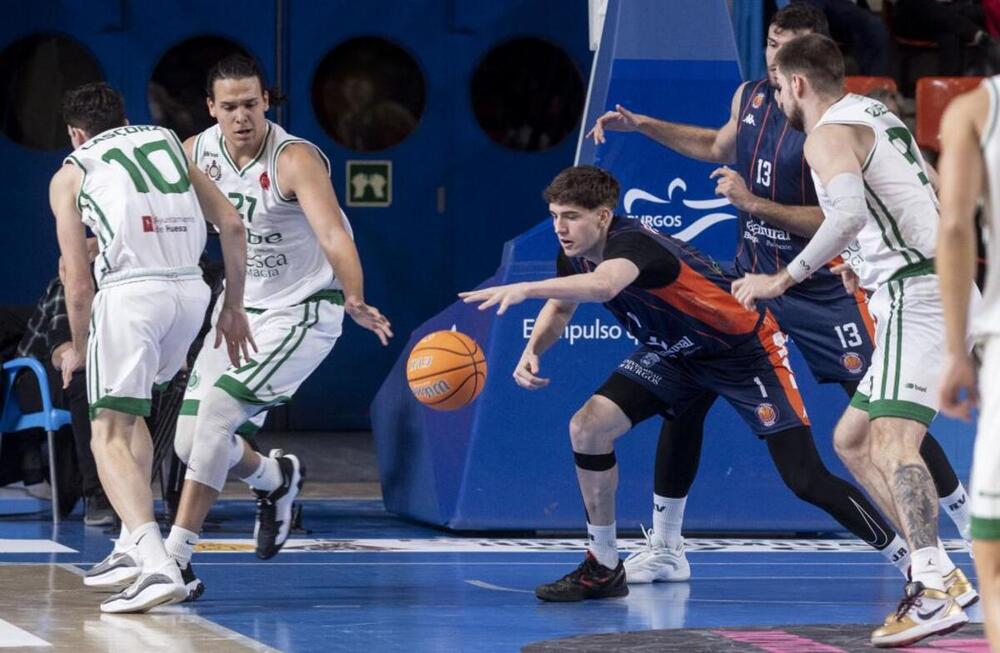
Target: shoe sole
(640, 577)
(147, 600)
(194, 591)
(113, 579)
(905, 639)
(297, 485)
(969, 598)
(560, 599)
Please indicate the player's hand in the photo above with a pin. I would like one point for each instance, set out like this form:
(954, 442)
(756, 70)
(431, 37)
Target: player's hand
(369, 317)
(526, 372)
(847, 277)
(234, 327)
(503, 296)
(959, 389)
(619, 120)
(70, 361)
(729, 184)
(759, 286)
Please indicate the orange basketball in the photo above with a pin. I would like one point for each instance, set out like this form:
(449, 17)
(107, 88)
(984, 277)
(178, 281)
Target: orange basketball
(446, 370)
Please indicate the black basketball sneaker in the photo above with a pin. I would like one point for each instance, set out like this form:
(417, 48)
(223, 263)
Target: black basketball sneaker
(274, 508)
(591, 580)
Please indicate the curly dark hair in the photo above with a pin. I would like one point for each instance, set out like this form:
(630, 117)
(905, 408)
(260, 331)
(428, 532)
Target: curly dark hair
(588, 187)
(94, 108)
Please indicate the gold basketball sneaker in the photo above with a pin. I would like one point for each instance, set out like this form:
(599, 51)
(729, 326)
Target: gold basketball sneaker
(921, 613)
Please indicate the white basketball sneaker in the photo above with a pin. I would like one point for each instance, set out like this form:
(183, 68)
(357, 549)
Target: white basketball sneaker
(656, 561)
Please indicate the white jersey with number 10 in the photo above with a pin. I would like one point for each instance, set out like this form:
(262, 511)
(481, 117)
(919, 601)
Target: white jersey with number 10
(137, 199)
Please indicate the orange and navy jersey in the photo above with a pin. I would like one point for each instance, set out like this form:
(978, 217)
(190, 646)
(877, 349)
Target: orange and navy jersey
(770, 158)
(680, 305)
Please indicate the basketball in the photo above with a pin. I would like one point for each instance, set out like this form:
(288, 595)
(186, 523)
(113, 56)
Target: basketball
(446, 370)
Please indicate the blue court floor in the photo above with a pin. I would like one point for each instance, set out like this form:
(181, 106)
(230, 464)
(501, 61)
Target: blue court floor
(363, 580)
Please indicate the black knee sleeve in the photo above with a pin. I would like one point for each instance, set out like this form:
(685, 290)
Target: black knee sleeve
(601, 462)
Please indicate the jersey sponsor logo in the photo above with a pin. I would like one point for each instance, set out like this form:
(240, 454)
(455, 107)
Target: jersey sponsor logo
(758, 101)
(650, 360)
(683, 211)
(914, 386)
(633, 368)
(254, 238)
(671, 351)
(749, 120)
(756, 228)
(767, 414)
(213, 170)
(169, 225)
(853, 362)
(265, 181)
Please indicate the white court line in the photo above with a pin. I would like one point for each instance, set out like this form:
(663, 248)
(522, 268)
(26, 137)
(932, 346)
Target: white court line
(33, 546)
(13, 637)
(490, 586)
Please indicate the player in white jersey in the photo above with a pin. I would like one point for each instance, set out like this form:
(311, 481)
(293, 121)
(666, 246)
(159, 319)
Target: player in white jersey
(303, 274)
(970, 167)
(134, 188)
(881, 214)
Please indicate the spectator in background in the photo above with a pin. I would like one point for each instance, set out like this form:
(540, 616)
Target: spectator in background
(860, 31)
(46, 337)
(957, 26)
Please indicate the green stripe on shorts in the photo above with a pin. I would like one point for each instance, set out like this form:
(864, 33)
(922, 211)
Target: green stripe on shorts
(985, 529)
(860, 401)
(900, 408)
(128, 405)
(237, 390)
(189, 407)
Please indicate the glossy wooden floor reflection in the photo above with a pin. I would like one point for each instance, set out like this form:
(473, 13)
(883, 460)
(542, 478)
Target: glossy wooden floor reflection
(50, 605)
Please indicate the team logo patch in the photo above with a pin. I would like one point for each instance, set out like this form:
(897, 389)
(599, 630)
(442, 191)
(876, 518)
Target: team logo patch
(853, 362)
(758, 100)
(148, 223)
(767, 414)
(649, 360)
(214, 171)
(194, 380)
(265, 181)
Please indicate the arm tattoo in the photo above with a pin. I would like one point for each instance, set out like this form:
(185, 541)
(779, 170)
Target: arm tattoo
(916, 502)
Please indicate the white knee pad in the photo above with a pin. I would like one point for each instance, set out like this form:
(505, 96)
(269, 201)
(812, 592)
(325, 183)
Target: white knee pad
(216, 447)
(184, 436)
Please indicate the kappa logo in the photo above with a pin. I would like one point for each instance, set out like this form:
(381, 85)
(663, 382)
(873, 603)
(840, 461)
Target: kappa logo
(214, 170)
(853, 362)
(749, 120)
(767, 414)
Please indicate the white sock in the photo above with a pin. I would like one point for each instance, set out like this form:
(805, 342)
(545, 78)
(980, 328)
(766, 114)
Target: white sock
(180, 545)
(602, 543)
(267, 477)
(124, 541)
(668, 516)
(947, 566)
(150, 544)
(925, 567)
(956, 505)
(898, 554)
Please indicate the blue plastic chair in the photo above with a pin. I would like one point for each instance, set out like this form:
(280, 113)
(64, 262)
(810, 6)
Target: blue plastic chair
(12, 419)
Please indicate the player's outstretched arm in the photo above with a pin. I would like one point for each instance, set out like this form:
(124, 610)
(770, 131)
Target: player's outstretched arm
(79, 286)
(602, 285)
(799, 220)
(548, 326)
(961, 178)
(303, 175)
(232, 324)
(704, 144)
